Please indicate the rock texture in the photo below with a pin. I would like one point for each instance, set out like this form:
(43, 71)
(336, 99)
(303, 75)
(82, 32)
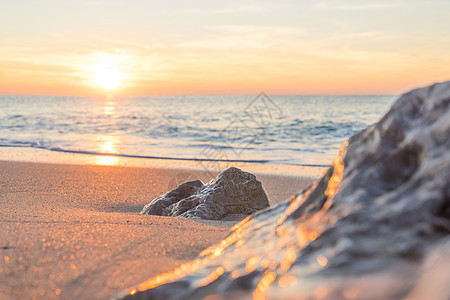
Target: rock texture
(232, 192)
(376, 226)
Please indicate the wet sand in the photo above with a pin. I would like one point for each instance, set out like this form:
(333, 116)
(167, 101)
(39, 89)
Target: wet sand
(75, 232)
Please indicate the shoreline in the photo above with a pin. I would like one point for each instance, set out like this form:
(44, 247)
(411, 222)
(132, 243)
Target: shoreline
(39, 155)
(74, 230)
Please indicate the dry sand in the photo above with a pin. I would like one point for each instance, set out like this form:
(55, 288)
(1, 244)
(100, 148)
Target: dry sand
(75, 232)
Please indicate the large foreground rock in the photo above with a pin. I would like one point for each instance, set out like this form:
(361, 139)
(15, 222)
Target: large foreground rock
(375, 226)
(232, 192)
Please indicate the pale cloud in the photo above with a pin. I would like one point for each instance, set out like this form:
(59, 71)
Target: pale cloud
(270, 30)
(243, 38)
(225, 11)
(361, 34)
(355, 6)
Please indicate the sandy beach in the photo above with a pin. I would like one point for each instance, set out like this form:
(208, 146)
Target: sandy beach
(75, 232)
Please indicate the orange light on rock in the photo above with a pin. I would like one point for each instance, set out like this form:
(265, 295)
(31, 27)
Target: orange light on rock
(287, 280)
(322, 260)
(250, 264)
(268, 278)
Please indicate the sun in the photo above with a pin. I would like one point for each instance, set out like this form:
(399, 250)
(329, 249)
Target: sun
(108, 79)
(106, 70)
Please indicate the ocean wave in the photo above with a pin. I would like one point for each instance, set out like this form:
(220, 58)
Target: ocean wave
(86, 152)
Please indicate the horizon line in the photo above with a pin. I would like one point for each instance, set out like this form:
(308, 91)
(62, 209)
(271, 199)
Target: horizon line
(206, 94)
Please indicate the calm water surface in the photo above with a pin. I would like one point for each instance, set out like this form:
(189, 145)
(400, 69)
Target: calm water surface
(305, 130)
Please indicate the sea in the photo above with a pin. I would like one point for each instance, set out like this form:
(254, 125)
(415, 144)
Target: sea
(276, 129)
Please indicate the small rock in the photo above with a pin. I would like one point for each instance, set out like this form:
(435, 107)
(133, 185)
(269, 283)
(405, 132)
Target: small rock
(232, 192)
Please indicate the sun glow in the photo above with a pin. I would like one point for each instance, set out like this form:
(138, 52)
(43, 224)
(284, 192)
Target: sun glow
(108, 79)
(106, 69)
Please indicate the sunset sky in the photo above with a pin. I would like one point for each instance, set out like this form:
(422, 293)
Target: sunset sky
(141, 47)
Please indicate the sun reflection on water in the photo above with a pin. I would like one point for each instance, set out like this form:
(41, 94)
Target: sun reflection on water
(110, 106)
(106, 160)
(108, 144)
